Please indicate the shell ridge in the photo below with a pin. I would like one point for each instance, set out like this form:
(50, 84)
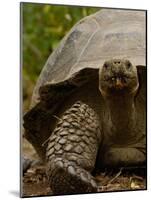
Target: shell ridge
(90, 38)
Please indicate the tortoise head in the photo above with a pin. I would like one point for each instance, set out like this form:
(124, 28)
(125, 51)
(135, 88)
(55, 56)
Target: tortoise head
(118, 77)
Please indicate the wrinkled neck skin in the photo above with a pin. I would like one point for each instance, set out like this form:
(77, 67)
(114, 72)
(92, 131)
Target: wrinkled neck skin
(122, 114)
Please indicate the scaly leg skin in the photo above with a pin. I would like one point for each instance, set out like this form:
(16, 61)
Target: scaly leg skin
(72, 150)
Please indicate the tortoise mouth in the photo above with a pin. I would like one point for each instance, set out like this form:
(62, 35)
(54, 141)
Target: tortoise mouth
(118, 83)
(117, 91)
(119, 86)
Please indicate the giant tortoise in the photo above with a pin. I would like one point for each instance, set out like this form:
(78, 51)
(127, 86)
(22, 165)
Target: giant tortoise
(88, 108)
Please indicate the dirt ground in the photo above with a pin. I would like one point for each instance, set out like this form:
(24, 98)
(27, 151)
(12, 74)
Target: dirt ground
(35, 182)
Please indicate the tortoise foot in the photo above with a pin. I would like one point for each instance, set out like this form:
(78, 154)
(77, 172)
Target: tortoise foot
(67, 178)
(27, 163)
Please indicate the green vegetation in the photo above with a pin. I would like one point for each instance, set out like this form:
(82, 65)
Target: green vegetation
(43, 28)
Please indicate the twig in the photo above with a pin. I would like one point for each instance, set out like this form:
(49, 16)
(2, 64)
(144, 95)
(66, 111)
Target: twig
(117, 175)
(57, 117)
(45, 141)
(136, 177)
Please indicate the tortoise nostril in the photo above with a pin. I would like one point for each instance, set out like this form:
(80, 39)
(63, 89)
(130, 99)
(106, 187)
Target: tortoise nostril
(117, 62)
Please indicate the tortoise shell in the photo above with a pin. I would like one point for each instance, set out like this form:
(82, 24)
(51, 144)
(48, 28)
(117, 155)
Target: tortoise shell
(71, 71)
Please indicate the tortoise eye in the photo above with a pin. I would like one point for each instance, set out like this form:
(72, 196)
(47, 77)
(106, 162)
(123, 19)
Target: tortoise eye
(128, 64)
(105, 65)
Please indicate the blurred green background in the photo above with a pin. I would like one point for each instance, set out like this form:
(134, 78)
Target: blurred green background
(43, 27)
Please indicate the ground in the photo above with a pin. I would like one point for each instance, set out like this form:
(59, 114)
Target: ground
(35, 182)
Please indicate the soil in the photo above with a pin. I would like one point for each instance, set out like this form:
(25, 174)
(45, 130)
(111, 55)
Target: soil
(35, 182)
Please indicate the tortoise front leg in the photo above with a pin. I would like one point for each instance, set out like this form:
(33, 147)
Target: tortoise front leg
(72, 150)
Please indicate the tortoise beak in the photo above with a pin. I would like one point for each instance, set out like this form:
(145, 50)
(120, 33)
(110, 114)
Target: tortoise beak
(119, 84)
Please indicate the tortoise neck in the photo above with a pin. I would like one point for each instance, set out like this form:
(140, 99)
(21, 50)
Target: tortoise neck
(122, 113)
